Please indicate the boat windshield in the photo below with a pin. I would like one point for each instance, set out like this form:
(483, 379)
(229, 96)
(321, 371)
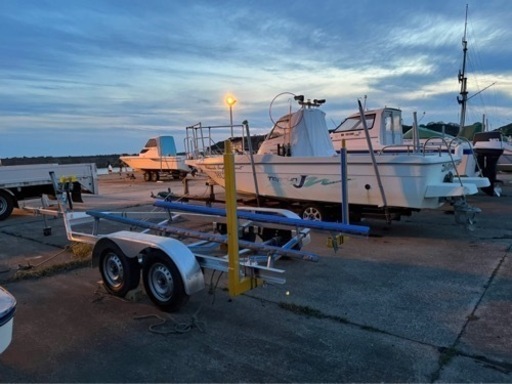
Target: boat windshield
(354, 123)
(151, 143)
(281, 128)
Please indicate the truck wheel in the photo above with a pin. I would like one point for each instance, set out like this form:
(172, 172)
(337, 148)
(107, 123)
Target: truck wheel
(6, 205)
(163, 282)
(147, 176)
(120, 273)
(155, 176)
(312, 212)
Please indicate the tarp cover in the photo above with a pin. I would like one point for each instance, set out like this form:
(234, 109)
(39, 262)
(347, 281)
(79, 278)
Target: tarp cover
(309, 134)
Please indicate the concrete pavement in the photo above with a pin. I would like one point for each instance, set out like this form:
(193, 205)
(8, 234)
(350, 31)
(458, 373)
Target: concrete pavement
(420, 300)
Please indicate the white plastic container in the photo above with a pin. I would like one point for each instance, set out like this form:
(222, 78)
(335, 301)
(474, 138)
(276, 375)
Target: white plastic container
(7, 309)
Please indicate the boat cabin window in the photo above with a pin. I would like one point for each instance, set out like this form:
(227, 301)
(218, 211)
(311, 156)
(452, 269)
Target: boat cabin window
(354, 123)
(151, 143)
(393, 128)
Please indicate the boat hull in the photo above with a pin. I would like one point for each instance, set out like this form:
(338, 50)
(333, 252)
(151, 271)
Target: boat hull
(164, 163)
(408, 181)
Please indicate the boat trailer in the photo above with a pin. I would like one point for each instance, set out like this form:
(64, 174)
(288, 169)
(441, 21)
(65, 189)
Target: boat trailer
(246, 242)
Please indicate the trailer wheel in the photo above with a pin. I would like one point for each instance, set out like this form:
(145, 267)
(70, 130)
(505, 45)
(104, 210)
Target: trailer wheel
(6, 205)
(120, 273)
(147, 176)
(155, 176)
(312, 212)
(163, 282)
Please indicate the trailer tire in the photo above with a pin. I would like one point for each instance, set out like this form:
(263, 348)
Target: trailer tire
(120, 273)
(313, 212)
(147, 176)
(6, 205)
(155, 176)
(163, 282)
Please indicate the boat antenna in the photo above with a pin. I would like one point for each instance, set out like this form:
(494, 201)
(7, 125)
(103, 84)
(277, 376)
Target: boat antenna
(462, 78)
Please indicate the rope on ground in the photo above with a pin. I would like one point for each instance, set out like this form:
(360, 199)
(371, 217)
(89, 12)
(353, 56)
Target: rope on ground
(30, 266)
(178, 327)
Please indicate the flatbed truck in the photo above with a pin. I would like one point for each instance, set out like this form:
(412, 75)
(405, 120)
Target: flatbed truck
(22, 182)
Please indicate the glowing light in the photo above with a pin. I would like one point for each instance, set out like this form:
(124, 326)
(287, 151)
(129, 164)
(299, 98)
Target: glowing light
(230, 100)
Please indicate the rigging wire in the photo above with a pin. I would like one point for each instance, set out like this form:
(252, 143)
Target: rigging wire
(475, 63)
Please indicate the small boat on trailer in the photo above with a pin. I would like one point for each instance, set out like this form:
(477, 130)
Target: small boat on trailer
(158, 159)
(298, 165)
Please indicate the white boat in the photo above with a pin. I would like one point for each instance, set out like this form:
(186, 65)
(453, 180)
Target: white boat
(7, 309)
(158, 158)
(298, 163)
(386, 135)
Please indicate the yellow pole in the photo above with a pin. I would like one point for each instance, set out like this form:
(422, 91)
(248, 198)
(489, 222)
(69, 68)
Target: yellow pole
(236, 285)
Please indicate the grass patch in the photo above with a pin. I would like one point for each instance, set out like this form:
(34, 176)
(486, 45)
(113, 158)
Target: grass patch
(50, 270)
(81, 250)
(447, 354)
(81, 257)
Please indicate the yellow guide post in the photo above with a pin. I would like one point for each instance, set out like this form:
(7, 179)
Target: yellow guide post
(236, 285)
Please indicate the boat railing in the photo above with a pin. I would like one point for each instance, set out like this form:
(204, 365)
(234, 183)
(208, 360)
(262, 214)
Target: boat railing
(449, 152)
(409, 148)
(200, 140)
(460, 140)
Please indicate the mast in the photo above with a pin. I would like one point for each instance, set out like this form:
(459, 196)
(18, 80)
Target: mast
(462, 78)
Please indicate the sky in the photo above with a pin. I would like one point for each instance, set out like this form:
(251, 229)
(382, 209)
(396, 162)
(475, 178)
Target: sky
(89, 77)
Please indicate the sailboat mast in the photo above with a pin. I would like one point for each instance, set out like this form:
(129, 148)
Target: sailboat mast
(462, 78)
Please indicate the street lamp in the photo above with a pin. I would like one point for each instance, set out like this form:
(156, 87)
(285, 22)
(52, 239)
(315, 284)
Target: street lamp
(230, 100)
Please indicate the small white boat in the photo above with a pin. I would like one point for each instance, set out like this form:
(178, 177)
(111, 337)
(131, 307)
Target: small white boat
(7, 309)
(298, 163)
(158, 158)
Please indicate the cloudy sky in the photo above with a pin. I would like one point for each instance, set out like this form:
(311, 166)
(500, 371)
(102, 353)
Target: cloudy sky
(86, 77)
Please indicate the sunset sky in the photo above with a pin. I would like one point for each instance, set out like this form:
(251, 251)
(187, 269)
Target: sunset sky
(89, 77)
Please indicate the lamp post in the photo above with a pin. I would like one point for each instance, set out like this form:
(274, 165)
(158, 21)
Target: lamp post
(230, 100)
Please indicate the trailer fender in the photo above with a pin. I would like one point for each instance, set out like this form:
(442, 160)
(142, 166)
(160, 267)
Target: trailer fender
(135, 244)
(12, 194)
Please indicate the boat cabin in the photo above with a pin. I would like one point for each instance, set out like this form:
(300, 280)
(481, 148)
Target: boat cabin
(159, 146)
(384, 126)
